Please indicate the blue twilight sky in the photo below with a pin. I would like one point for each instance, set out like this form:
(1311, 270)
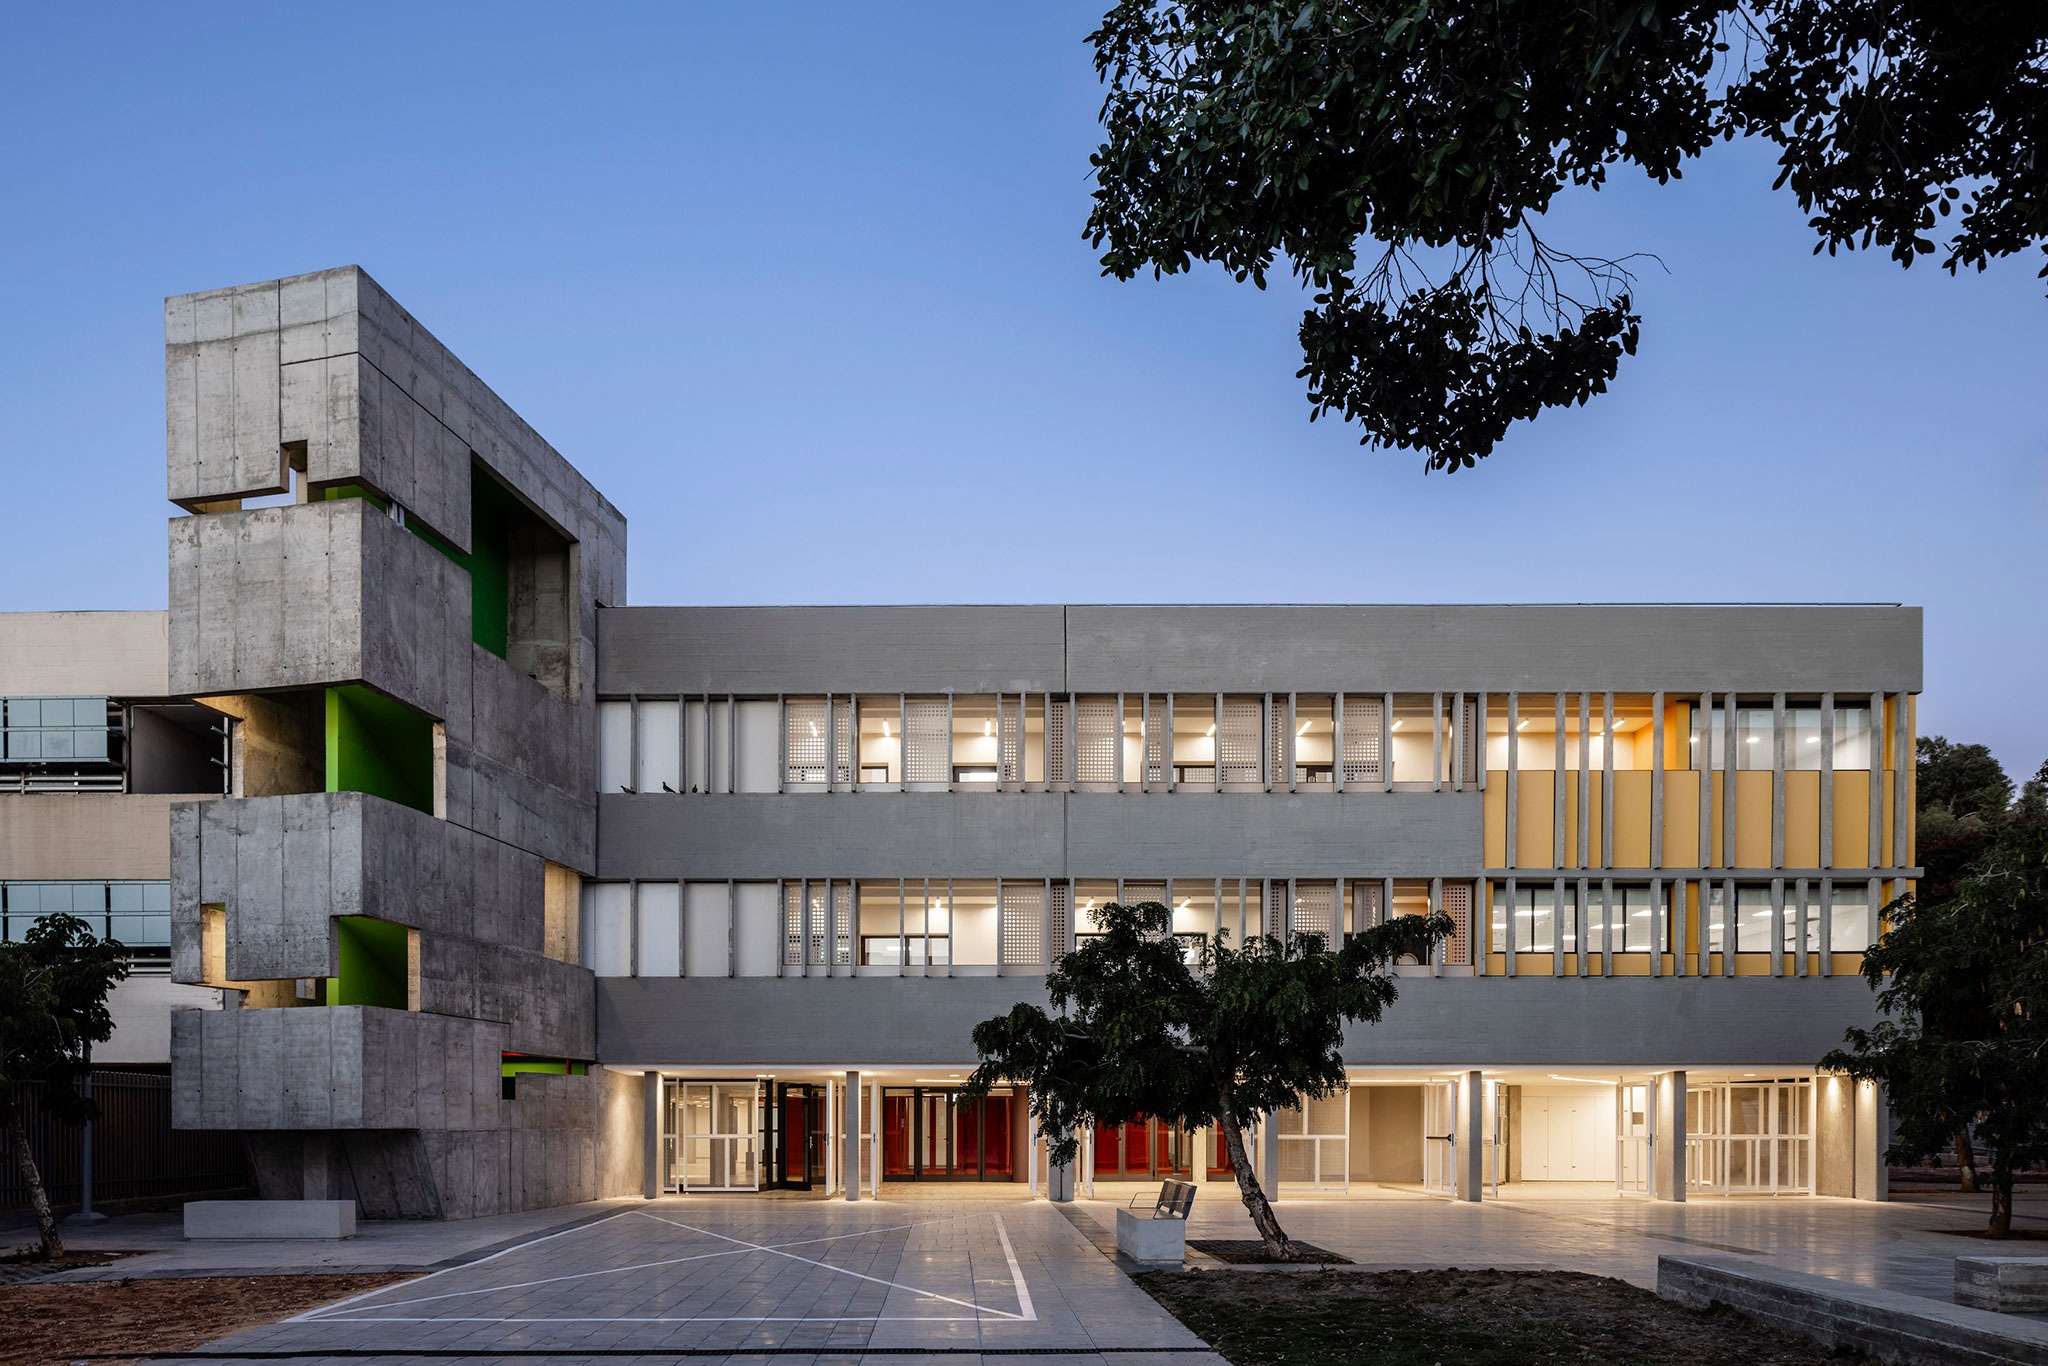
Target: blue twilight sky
(802, 288)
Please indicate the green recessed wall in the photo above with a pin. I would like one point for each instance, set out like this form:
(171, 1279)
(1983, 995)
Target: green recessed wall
(379, 746)
(375, 964)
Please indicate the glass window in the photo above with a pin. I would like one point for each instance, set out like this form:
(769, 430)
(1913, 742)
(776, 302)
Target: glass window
(1753, 738)
(1533, 924)
(1752, 919)
(1849, 918)
(614, 746)
(54, 729)
(1802, 737)
(1636, 919)
(1852, 738)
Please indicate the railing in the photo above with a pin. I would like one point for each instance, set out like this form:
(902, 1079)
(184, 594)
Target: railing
(136, 1152)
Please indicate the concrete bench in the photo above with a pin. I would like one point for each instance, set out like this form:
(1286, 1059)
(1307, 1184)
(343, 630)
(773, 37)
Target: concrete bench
(1160, 1235)
(270, 1219)
(2009, 1285)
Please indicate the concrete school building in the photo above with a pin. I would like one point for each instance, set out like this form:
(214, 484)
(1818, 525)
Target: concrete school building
(519, 895)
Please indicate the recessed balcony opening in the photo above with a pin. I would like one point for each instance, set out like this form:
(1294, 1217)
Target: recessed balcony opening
(344, 739)
(521, 571)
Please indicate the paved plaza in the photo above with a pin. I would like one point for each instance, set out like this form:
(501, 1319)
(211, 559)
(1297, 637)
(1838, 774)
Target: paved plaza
(956, 1271)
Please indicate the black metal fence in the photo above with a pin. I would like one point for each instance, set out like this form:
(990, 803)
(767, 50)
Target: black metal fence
(136, 1154)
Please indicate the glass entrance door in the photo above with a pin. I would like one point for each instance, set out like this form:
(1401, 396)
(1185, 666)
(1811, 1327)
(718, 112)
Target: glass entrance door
(929, 1134)
(715, 1128)
(1141, 1150)
(796, 1138)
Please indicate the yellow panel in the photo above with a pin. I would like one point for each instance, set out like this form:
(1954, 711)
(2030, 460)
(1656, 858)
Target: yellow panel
(1594, 855)
(1752, 965)
(1752, 820)
(1497, 964)
(1713, 818)
(1846, 964)
(1678, 735)
(1802, 818)
(1496, 818)
(1630, 964)
(1534, 793)
(1852, 820)
(1891, 806)
(1570, 779)
(1532, 965)
(1681, 820)
(1631, 820)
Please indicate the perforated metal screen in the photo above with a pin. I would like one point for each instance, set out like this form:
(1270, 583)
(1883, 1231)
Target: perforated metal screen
(927, 741)
(1022, 907)
(1237, 740)
(1363, 718)
(1096, 727)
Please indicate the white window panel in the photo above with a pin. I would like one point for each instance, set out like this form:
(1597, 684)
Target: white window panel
(759, 741)
(1237, 740)
(756, 929)
(614, 746)
(707, 944)
(658, 755)
(1097, 732)
(660, 929)
(608, 928)
(806, 731)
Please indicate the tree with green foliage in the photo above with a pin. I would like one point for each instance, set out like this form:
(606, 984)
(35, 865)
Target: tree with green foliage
(1139, 1030)
(53, 1009)
(1400, 155)
(1961, 980)
(1962, 796)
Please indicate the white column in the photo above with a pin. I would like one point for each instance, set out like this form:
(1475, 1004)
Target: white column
(851, 1135)
(831, 1133)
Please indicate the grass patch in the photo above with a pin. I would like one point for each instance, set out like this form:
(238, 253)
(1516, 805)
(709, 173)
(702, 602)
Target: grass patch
(1461, 1318)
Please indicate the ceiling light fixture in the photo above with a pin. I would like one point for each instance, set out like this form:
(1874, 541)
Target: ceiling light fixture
(814, 730)
(1211, 730)
(988, 728)
(885, 730)
(1397, 725)
(1523, 726)
(1303, 730)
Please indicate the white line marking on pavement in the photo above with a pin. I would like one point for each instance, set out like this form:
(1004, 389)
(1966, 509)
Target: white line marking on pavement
(1024, 1308)
(311, 1314)
(894, 1285)
(338, 1310)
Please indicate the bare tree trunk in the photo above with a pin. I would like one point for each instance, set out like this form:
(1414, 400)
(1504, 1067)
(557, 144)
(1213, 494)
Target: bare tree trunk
(2001, 1195)
(1278, 1244)
(38, 1198)
(1966, 1160)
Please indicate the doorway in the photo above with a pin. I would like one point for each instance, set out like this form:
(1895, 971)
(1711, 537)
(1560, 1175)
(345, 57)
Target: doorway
(796, 1136)
(714, 1135)
(930, 1134)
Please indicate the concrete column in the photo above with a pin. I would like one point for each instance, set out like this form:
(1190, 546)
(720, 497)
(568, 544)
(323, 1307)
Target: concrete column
(1667, 1141)
(1873, 1136)
(1059, 1181)
(316, 1167)
(650, 1134)
(851, 1164)
(1471, 1146)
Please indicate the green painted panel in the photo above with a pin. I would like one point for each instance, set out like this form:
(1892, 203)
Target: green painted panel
(375, 964)
(379, 746)
(492, 511)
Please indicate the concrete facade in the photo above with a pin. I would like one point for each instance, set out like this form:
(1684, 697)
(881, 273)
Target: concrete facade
(512, 888)
(476, 644)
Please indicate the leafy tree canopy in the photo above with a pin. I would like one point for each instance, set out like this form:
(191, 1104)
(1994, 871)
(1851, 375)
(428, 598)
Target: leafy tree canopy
(1399, 154)
(1138, 1030)
(1961, 979)
(53, 1008)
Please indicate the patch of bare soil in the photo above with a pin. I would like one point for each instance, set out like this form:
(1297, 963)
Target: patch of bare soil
(1472, 1318)
(109, 1320)
(30, 1265)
